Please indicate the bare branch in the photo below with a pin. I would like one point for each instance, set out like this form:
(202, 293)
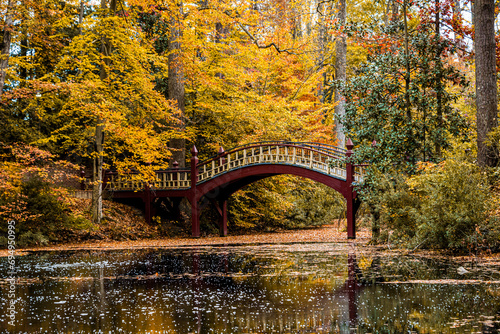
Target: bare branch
(267, 46)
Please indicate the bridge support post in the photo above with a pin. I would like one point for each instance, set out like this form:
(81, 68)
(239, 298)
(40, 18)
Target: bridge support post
(195, 219)
(223, 202)
(223, 218)
(193, 198)
(351, 220)
(147, 202)
(351, 208)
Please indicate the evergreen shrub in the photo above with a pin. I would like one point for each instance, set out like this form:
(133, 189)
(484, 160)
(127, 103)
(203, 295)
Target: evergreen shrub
(443, 206)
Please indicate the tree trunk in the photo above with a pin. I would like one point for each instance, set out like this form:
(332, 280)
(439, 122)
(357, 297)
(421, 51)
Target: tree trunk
(340, 75)
(391, 11)
(322, 41)
(80, 16)
(98, 173)
(407, 65)
(99, 132)
(23, 71)
(438, 81)
(5, 47)
(486, 84)
(176, 90)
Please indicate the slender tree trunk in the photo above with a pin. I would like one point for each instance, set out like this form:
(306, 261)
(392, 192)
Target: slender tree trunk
(387, 10)
(5, 47)
(394, 10)
(486, 84)
(392, 16)
(439, 85)
(340, 74)
(409, 118)
(176, 89)
(99, 131)
(98, 173)
(23, 72)
(322, 41)
(459, 38)
(80, 17)
(407, 64)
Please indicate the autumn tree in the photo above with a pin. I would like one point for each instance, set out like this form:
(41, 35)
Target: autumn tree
(176, 79)
(98, 157)
(110, 100)
(486, 80)
(41, 29)
(397, 96)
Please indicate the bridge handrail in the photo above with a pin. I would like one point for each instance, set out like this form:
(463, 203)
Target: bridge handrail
(179, 179)
(297, 143)
(330, 152)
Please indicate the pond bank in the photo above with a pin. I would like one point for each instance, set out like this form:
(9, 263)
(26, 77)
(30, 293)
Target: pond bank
(328, 233)
(324, 234)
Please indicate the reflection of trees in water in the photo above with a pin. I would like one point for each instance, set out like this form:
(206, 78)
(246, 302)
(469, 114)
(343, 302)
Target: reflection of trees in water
(408, 307)
(230, 291)
(424, 308)
(290, 301)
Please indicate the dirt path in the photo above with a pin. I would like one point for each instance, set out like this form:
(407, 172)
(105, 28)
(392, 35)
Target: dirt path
(323, 234)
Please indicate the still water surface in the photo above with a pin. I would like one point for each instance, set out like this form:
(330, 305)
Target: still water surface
(291, 288)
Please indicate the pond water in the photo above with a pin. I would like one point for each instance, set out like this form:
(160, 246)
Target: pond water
(287, 288)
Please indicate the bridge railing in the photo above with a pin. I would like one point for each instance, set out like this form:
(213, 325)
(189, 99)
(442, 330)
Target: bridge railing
(165, 179)
(114, 181)
(168, 179)
(323, 158)
(326, 148)
(315, 157)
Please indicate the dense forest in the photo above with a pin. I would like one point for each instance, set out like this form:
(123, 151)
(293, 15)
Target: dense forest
(132, 85)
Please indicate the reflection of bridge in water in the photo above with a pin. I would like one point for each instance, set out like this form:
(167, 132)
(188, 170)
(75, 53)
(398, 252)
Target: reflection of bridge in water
(340, 314)
(214, 180)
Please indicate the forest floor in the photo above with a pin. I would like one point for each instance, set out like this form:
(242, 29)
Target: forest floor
(328, 233)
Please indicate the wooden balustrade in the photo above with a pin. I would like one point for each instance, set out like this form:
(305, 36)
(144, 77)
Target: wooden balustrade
(164, 180)
(317, 157)
(303, 156)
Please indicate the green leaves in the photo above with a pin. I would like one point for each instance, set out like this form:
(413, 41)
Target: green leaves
(377, 98)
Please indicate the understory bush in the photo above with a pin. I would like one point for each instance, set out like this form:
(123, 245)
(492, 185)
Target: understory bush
(315, 205)
(445, 206)
(31, 194)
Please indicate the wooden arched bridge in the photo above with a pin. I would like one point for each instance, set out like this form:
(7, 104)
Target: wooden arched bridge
(214, 180)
